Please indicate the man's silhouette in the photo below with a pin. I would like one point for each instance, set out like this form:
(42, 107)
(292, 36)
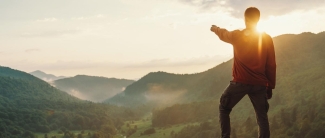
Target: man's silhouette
(254, 70)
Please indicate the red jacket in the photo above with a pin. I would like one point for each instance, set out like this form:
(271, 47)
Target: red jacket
(254, 56)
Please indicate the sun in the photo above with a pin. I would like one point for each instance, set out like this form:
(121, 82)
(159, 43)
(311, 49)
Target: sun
(260, 28)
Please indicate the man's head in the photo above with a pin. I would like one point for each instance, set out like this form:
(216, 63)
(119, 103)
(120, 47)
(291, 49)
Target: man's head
(252, 16)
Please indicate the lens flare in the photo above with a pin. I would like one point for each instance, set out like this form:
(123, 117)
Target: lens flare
(260, 28)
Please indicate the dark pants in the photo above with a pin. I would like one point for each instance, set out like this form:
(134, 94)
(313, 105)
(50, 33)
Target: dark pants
(232, 95)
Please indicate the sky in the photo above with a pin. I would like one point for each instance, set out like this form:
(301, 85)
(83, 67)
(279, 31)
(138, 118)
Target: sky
(130, 38)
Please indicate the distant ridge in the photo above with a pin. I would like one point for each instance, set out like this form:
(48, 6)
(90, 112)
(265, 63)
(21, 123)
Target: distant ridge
(46, 77)
(92, 88)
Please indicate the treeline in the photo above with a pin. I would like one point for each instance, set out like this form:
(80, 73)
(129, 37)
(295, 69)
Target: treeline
(204, 130)
(287, 124)
(105, 132)
(305, 119)
(29, 105)
(185, 113)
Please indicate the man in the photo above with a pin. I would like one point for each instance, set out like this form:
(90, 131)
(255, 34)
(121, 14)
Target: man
(254, 71)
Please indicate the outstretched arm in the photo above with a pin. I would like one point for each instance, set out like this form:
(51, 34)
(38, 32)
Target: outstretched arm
(223, 34)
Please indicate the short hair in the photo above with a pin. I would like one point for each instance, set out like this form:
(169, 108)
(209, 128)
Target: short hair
(252, 14)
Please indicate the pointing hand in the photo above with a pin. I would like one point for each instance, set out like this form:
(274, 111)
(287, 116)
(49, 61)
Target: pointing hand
(214, 28)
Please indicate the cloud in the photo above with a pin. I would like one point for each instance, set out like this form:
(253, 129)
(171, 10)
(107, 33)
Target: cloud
(79, 18)
(52, 33)
(161, 16)
(47, 20)
(77, 94)
(196, 61)
(71, 65)
(155, 63)
(164, 95)
(32, 50)
(118, 69)
(237, 7)
(100, 16)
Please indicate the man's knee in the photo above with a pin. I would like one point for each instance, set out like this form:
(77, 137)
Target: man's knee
(224, 110)
(224, 101)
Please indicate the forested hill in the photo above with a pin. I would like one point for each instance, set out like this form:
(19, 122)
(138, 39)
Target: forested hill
(166, 88)
(296, 54)
(29, 105)
(17, 84)
(8, 72)
(92, 88)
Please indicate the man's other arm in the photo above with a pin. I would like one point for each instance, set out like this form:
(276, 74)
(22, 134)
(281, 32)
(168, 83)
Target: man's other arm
(223, 34)
(270, 69)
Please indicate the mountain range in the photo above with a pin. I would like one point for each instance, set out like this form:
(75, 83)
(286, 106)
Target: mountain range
(92, 88)
(46, 77)
(29, 105)
(297, 109)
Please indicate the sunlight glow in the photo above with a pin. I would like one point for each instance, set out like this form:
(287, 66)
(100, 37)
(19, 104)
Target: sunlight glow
(260, 28)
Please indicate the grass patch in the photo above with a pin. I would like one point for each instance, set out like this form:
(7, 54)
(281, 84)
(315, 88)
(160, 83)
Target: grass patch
(145, 124)
(60, 135)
